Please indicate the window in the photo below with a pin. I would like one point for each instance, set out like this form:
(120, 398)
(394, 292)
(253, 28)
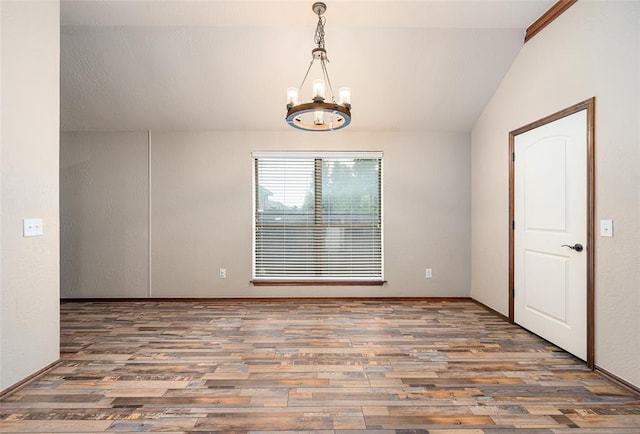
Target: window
(318, 217)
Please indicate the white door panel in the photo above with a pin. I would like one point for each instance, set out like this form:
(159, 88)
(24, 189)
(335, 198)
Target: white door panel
(545, 291)
(545, 195)
(550, 211)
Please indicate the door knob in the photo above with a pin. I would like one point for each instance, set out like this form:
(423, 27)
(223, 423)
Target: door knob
(577, 247)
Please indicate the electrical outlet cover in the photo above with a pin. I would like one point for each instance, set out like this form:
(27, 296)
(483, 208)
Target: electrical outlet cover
(31, 227)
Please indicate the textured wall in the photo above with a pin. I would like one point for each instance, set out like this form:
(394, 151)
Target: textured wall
(593, 49)
(201, 212)
(104, 214)
(29, 276)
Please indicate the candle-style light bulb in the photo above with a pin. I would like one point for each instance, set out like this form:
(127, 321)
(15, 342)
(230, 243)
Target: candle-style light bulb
(318, 117)
(318, 89)
(344, 95)
(292, 96)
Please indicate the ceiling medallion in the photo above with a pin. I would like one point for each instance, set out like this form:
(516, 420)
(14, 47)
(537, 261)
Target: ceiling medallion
(319, 115)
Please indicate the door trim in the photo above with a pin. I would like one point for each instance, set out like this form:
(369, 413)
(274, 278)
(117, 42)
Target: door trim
(589, 106)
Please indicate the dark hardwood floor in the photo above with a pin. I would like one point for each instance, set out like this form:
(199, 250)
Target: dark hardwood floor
(321, 366)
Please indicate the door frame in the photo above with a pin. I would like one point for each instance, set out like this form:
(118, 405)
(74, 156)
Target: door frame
(589, 106)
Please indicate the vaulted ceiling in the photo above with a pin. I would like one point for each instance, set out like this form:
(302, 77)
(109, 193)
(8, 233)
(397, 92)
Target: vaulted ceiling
(225, 65)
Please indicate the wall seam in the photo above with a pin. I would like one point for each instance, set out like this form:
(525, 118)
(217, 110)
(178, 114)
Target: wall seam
(149, 213)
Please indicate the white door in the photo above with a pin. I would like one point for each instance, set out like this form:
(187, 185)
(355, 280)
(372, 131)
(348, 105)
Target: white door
(550, 227)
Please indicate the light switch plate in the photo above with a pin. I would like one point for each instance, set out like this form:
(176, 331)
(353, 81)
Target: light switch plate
(606, 228)
(31, 227)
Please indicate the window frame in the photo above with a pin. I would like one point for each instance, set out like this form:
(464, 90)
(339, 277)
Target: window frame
(323, 155)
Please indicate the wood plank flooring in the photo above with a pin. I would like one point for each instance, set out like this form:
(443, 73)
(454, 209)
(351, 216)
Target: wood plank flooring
(324, 366)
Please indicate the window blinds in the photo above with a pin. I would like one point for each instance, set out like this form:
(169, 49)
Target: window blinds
(318, 217)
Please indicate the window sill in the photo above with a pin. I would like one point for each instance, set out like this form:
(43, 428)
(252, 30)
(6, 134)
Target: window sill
(318, 282)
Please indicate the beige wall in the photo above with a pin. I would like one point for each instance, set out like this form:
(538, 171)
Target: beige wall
(201, 206)
(593, 49)
(29, 122)
(104, 215)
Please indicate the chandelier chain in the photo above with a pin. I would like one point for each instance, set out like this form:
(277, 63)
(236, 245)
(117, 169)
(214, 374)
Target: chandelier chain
(319, 38)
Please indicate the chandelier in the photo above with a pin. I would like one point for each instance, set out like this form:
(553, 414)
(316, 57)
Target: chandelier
(319, 115)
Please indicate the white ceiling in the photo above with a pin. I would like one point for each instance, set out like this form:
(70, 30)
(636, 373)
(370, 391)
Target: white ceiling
(213, 65)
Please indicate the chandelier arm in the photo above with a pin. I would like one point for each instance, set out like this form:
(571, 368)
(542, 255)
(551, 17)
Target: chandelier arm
(307, 73)
(325, 72)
